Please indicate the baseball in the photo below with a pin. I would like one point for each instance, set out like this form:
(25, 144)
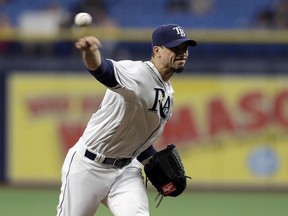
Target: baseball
(83, 19)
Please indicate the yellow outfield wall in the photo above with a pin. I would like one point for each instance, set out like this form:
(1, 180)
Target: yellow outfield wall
(228, 129)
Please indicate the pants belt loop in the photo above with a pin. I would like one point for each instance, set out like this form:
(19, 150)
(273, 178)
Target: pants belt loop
(82, 148)
(99, 158)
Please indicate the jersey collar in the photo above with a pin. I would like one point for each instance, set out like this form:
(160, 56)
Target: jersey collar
(167, 84)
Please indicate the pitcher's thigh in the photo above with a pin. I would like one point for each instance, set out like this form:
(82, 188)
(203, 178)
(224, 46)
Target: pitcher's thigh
(128, 195)
(83, 187)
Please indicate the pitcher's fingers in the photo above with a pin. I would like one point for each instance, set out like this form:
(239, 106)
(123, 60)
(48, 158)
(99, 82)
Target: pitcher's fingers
(88, 42)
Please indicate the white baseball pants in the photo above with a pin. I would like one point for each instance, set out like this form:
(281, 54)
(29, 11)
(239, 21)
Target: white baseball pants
(86, 184)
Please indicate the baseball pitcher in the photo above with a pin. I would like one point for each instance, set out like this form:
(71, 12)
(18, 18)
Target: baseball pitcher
(105, 165)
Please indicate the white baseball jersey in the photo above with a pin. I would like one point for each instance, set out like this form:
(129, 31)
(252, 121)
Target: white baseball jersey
(133, 114)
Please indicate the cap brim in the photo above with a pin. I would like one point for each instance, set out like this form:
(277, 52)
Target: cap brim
(175, 43)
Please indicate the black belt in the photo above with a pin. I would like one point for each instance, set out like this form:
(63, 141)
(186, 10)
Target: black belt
(121, 162)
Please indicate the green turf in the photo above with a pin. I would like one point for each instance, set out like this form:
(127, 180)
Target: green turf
(35, 202)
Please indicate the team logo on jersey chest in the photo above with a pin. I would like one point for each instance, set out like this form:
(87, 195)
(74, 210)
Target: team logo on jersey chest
(161, 104)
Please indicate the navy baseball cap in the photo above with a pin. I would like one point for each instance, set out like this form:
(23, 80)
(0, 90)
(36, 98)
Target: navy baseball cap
(170, 35)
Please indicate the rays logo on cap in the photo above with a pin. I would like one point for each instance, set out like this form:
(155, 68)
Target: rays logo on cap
(180, 31)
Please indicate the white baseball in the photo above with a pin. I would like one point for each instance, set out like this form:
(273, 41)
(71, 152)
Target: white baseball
(83, 19)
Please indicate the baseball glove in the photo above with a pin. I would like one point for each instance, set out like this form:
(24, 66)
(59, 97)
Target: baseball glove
(166, 172)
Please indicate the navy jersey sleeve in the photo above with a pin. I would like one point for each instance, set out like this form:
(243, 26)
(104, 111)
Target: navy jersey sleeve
(147, 153)
(105, 73)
